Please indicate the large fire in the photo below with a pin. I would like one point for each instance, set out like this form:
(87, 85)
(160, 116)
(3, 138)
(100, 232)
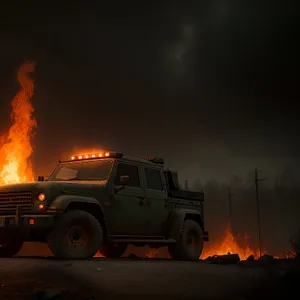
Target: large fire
(15, 145)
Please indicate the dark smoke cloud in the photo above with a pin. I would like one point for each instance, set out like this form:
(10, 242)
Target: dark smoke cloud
(209, 85)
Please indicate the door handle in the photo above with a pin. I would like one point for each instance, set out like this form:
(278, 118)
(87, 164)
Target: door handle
(166, 203)
(142, 201)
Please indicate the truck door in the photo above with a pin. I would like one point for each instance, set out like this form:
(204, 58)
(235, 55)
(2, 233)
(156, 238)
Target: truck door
(127, 214)
(156, 196)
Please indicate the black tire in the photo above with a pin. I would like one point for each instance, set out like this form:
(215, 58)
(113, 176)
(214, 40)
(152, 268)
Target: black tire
(10, 243)
(76, 235)
(183, 249)
(113, 250)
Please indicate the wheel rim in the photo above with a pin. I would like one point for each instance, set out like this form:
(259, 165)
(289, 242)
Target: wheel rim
(76, 237)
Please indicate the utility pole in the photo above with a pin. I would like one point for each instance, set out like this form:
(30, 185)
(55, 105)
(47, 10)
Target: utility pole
(186, 185)
(230, 206)
(256, 180)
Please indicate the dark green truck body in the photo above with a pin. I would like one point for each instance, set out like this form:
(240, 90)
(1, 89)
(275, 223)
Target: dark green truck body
(149, 209)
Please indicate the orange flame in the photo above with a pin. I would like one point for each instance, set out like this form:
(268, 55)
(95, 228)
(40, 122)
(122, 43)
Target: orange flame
(228, 244)
(15, 145)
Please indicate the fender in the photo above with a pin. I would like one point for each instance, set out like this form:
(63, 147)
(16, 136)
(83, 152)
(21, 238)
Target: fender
(177, 218)
(60, 203)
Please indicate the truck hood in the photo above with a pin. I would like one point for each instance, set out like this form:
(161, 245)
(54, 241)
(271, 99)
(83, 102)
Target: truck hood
(61, 186)
(17, 187)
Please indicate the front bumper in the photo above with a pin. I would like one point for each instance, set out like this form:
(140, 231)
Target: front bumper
(27, 221)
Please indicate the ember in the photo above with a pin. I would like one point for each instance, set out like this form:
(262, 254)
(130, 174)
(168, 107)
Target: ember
(15, 145)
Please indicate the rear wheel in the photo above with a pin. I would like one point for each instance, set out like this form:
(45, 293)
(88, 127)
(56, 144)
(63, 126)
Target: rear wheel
(76, 235)
(190, 243)
(113, 250)
(11, 243)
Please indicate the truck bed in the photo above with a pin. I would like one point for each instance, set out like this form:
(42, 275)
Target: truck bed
(187, 195)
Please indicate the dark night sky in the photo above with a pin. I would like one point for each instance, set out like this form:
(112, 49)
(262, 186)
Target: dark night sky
(209, 85)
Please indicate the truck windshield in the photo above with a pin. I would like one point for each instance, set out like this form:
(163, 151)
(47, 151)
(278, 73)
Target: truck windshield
(83, 170)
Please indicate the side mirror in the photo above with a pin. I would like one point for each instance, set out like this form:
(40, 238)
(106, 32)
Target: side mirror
(124, 180)
(41, 178)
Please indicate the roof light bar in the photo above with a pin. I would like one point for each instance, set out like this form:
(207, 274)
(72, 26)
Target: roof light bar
(109, 154)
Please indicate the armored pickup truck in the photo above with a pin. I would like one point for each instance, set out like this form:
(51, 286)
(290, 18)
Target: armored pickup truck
(103, 202)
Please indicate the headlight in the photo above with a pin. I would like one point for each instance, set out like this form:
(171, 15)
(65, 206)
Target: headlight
(41, 206)
(42, 197)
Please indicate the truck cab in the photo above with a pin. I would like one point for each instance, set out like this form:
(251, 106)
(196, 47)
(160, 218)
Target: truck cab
(103, 202)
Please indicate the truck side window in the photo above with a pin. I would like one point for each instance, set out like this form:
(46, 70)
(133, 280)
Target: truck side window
(153, 179)
(128, 170)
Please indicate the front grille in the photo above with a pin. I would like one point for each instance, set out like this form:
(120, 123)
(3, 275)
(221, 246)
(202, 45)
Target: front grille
(10, 200)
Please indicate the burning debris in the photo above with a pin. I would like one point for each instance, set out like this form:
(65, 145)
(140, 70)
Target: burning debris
(15, 145)
(223, 259)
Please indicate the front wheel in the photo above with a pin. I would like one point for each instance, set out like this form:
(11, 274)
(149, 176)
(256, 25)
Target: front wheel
(10, 243)
(113, 250)
(190, 243)
(76, 235)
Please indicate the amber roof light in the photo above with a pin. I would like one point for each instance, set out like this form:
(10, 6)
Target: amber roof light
(108, 154)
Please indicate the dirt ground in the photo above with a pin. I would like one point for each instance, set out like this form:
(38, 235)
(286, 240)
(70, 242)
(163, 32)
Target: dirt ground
(106, 279)
(99, 278)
